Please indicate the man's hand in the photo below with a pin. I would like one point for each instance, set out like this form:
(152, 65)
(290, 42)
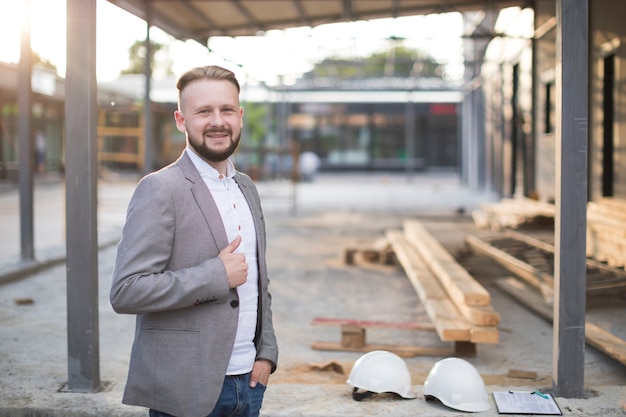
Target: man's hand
(260, 372)
(235, 264)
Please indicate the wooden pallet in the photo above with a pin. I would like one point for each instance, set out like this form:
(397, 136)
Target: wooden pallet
(533, 261)
(354, 338)
(377, 252)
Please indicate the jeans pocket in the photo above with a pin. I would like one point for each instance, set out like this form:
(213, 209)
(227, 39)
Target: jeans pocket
(255, 396)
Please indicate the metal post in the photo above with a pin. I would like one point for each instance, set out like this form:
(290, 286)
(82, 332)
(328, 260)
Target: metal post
(147, 108)
(409, 137)
(81, 118)
(25, 142)
(571, 191)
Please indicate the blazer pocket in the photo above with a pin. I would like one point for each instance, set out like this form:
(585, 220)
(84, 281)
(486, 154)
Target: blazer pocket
(169, 356)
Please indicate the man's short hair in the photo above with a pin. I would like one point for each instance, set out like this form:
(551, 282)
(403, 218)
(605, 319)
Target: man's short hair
(209, 72)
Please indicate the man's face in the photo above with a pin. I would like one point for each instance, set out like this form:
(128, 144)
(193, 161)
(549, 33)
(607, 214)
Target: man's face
(210, 116)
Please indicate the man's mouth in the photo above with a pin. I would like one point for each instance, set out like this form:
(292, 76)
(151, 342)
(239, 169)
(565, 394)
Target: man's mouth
(217, 134)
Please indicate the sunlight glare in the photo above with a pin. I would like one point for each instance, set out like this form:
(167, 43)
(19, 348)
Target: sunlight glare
(12, 17)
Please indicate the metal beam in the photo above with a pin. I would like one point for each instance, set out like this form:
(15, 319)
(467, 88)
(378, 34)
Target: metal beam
(25, 167)
(81, 117)
(409, 137)
(571, 192)
(148, 161)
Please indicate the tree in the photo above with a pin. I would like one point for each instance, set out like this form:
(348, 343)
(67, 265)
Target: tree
(398, 61)
(137, 56)
(40, 62)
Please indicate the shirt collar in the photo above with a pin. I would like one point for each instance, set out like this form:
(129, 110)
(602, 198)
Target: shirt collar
(206, 170)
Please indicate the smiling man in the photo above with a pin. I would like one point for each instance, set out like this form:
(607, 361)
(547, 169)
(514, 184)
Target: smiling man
(191, 265)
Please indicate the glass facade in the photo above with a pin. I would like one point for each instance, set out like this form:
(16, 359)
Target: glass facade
(377, 136)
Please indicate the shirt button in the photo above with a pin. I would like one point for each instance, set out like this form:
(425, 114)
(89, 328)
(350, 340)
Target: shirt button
(234, 303)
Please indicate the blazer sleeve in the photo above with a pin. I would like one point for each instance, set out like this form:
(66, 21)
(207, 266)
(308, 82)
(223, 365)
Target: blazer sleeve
(142, 281)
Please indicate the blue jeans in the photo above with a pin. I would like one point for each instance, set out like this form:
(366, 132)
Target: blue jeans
(237, 399)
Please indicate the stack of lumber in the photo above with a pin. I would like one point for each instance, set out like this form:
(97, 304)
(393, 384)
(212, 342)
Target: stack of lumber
(459, 307)
(606, 231)
(523, 255)
(513, 213)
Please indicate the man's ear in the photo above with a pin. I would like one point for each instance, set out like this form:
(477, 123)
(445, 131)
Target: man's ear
(180, 121)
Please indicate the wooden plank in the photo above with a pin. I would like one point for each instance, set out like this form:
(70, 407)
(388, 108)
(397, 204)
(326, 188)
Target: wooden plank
(595, 336)
(480, 316)
(605, 214)
(449, 323)
(613, 203)
(484, 334)
(324, 321)
(530, 240)
(512, 213)
(526, 296)
(606, 243)
(425, 283)
(400, 350)
(539, 280)
(461, 287)
(595, 269)
(605, 342)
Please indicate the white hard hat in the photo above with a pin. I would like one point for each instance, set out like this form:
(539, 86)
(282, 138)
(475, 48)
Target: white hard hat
(457, 384)
(380, 371)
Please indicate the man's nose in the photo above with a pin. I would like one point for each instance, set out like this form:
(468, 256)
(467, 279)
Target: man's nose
(216, 119)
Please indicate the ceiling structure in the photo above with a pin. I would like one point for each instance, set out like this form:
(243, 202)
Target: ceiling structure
(201, 19)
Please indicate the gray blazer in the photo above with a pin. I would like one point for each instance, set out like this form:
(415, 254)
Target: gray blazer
(167, 273)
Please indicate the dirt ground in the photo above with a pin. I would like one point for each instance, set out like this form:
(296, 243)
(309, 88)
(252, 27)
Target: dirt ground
(313, 280)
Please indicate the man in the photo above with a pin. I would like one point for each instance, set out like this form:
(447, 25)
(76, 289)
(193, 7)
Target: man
(191, 265)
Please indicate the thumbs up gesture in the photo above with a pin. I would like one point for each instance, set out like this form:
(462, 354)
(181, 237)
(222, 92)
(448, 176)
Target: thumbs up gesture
(235, 264)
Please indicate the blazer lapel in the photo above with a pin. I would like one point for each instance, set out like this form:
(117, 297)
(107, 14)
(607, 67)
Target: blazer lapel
(205, 201)
(257, 213)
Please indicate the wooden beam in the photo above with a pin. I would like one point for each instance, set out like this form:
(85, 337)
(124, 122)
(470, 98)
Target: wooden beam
(595, 335)
(448, 321)
(539, 280)
(459, 284)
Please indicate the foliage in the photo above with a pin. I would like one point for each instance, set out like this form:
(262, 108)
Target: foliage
(254, 121)
(137, 55)
(398, 61)
(38, 61)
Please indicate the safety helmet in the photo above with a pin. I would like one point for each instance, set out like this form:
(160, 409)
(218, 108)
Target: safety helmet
(457, 384)
(380, 371)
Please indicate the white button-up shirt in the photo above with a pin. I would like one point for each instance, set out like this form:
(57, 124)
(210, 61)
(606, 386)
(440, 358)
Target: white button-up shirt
(237, 219)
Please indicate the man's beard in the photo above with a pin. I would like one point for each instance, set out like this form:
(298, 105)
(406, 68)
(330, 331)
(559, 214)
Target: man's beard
(209, 154)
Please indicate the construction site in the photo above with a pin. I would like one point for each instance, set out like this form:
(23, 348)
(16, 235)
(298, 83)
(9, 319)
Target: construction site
(482, 221)
(347, 277)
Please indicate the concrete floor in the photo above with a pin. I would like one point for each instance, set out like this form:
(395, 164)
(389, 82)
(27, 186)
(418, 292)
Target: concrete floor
(309, 227)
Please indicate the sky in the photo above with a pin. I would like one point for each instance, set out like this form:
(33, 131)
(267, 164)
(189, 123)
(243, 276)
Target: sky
(279, 56)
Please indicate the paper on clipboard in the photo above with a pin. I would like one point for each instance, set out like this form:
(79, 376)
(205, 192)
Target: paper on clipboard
(526, 402)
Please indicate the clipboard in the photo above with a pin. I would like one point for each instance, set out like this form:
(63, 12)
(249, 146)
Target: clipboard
(526, 402)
